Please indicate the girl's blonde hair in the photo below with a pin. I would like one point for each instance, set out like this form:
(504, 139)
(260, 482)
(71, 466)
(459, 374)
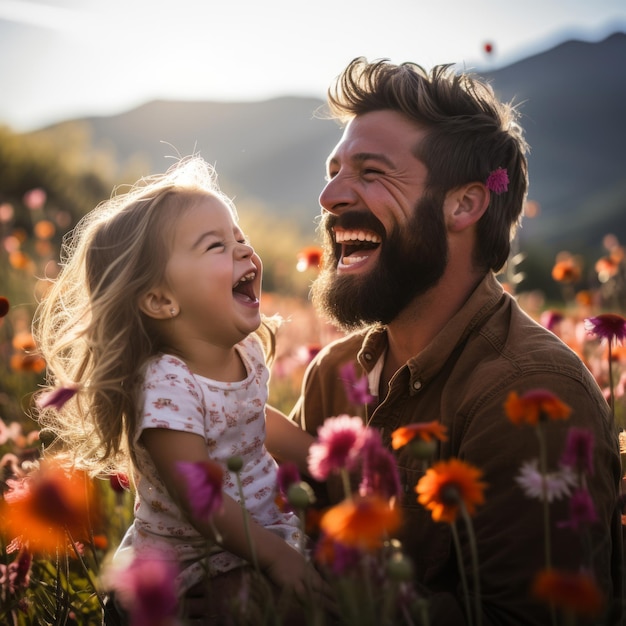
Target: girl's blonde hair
(89, 327)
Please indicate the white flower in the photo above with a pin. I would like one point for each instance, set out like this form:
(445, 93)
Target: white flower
(557, 484)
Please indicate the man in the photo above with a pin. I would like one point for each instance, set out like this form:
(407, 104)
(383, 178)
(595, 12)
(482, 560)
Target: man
(425, 189)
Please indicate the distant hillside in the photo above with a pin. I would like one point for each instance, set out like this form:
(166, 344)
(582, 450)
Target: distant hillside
(573, 100)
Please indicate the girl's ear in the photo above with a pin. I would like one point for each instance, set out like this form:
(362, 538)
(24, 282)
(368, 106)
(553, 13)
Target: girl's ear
(158, 305)
(466, 205)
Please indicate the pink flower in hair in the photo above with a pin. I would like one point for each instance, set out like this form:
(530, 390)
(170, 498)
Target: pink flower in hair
(498, 181)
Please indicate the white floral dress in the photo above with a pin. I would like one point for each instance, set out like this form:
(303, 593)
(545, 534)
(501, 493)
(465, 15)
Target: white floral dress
(231, 418)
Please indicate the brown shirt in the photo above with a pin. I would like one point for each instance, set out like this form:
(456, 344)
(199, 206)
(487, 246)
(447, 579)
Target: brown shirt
(462, 378)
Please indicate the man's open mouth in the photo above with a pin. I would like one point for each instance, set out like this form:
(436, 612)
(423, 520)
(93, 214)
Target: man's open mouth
(245, 286)
(354, 244)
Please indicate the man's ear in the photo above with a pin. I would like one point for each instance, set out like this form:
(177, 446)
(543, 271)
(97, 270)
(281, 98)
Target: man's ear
(158, 305)
(465, 206)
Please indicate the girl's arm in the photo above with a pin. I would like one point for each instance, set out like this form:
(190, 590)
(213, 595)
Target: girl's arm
(284, 565)
(286, 441)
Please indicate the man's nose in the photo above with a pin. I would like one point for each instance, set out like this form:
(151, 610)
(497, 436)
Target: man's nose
(336, 195)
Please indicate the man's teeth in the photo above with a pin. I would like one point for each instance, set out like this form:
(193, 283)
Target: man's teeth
(351, 260)
(342, 236)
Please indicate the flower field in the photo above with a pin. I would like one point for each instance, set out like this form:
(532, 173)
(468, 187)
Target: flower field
(58, 531)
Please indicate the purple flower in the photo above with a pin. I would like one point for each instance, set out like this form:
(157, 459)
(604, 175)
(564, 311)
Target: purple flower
(578, 453)
(498, 181)
(581, 511)
(204, 481)
(357, 390)
(549, 319)
(339, 440)
(607, 326)
(380, 470)
(56, 398)
(286, 476)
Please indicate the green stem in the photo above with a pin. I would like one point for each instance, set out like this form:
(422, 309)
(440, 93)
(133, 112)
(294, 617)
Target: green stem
(246, 524)
(459, 558)
(347, 488)
(92, 582)
(543, 468)
(611, 390)
(474, 553)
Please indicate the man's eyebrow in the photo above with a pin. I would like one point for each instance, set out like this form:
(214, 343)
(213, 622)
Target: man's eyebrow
(360, 157)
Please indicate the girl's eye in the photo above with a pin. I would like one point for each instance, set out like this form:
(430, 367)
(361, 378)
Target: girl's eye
(215, 245)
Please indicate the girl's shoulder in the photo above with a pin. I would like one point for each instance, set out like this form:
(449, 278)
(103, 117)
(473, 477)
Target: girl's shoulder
(165, 366)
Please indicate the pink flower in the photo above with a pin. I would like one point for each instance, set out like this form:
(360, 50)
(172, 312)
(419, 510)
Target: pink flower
(56, 398)
(380, 470)
(498, 181)
(357, 390)
(607, 326)
(147, 590)
(557, 484)
(339, 440)
(204, 486)
(119, 482)
(16, 575)
(578, 453)
(581, 510)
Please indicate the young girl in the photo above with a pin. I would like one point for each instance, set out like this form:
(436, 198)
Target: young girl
(155, 319)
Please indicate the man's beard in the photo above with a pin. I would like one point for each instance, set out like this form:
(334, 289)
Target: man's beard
(411, 261)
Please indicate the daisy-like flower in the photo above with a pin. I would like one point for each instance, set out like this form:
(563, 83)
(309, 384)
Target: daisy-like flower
(607, 326)
(339, 441)
(534, 405)
(573, 592)
(204, 481)
(337, 557)
(446, 485)
(567, 270)
(557, 485)
(286, 476)
(578, 452)
(361, 522)
(56, 398)
(426, 431)
(357, 389)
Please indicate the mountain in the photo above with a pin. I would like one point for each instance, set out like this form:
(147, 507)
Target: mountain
(572, 99)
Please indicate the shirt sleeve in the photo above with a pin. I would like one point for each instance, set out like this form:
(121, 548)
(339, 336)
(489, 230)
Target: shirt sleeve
(171, 398)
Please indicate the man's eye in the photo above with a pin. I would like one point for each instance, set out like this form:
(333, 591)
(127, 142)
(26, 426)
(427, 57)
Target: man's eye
(370, 171)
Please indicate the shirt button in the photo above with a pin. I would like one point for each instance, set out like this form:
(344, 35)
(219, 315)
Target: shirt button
(368, 356)
(417, 385)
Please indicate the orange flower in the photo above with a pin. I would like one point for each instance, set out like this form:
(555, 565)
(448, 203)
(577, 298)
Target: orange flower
(575, 592)
(567, 270)
(535, 405)
(51, 503)
(44, 229)
(446, 485)
(426, 431)
(361, 522)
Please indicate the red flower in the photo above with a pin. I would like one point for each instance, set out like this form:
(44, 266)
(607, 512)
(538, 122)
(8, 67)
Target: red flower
(607, 326)
(4, 306)
(119, 482)
(309, 257)
(535, 405)
(498, 181)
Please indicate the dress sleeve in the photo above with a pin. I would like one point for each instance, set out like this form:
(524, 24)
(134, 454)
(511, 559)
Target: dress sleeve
(171, 398)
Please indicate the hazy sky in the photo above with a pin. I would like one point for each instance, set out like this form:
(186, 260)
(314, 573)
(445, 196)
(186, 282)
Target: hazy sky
(61, 59)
